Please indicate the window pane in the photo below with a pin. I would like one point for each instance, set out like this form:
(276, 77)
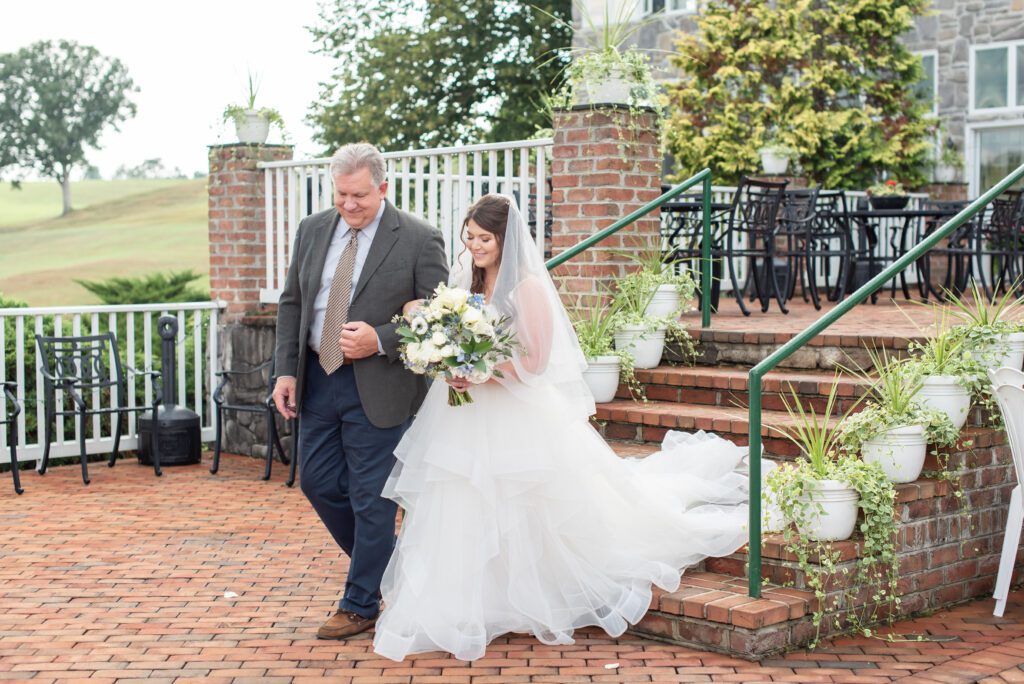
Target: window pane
(925, 88)
(1001, 151)
(991, 76)
(1020, 75)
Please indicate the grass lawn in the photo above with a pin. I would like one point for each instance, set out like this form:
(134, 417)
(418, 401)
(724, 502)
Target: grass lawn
(121, 228)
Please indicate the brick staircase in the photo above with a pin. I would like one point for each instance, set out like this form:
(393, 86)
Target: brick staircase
(945, 556)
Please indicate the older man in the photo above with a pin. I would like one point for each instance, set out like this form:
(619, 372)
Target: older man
(352, 269)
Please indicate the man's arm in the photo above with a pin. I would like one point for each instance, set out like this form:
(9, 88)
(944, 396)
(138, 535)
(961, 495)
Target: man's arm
(431, 269)
(286, 343)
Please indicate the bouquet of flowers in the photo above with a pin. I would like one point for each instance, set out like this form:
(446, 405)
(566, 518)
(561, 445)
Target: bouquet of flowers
(455, 335)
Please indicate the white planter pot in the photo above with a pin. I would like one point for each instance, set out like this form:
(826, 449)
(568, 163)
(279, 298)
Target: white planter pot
(839, 512)
(946, 394)
(646, 347)
(773, 163)
(945, 173)
(252, 128)
(900, 451)
(602, 377)
(664, 303)
(1007, 352)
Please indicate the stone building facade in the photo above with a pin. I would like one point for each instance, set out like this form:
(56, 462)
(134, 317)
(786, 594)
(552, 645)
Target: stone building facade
(972, 52)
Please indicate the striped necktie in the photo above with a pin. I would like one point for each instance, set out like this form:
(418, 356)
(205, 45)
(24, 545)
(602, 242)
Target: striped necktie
(331, 356)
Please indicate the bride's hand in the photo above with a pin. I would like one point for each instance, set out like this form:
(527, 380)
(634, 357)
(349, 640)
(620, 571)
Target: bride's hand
(458, 384)
(412, 306)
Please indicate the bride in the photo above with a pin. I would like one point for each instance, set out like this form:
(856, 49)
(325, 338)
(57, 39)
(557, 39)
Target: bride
(518, 516)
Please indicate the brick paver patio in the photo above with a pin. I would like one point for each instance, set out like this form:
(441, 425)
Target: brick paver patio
(127, 579)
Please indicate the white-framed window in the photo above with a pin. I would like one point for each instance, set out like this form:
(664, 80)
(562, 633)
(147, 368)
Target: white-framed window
(670, 6)
(995, 149)
(997, 77)
(928, 87)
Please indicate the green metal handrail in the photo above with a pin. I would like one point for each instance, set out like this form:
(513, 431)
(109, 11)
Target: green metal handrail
(703, 177)
(758, 372)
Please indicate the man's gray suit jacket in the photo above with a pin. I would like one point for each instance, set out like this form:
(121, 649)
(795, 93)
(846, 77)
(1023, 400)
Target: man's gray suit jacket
(406, 261)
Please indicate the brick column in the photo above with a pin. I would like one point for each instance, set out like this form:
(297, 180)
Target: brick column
(238, 269)
(606, 163)
(236, 224)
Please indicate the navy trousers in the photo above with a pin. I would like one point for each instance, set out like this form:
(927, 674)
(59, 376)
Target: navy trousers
(345, 463)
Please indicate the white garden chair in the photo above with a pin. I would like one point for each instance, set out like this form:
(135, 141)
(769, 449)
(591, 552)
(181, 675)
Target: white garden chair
(1008, 389)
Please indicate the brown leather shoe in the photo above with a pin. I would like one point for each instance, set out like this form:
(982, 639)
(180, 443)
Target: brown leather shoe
(344, 624)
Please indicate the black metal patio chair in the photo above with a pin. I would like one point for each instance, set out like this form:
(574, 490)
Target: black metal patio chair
(750, 235)
(77, 366)
(233, 382)
(10, 425)
(957, 251)
(794, 240)
(997, 244)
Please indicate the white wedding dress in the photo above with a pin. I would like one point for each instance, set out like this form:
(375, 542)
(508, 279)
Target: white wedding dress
(520, 518)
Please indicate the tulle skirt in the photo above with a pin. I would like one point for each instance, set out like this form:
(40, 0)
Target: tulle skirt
(519, 519)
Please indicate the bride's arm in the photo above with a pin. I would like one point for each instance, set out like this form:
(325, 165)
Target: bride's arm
(534, 325)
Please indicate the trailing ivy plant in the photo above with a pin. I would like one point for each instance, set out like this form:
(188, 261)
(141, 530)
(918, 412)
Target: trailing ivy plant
(791, 486)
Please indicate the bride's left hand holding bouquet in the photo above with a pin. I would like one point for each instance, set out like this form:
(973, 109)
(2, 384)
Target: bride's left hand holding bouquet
(455, 335)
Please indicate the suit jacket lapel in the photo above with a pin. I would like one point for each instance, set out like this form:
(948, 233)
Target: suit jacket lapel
(318, 254)
(383, 241)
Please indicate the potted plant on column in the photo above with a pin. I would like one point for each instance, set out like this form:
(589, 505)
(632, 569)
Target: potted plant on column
(252, 125)
(606, 71)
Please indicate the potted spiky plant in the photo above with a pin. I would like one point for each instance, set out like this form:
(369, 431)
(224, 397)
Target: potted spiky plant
(946, 370)
(606, 365)
(991, 331)
(819, 492)
(895, 428)
(604, 70)
(252, 125)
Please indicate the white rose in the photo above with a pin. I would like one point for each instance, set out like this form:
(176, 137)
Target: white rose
(438, 339)
(482, 328)
(471, 316)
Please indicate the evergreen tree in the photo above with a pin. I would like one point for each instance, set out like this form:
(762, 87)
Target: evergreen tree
(829, 79)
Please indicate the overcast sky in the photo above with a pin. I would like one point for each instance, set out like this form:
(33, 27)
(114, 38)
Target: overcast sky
(189, 59)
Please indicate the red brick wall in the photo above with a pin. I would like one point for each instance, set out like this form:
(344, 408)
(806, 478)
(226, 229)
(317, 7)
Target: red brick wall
(605, 164)
(236, 224)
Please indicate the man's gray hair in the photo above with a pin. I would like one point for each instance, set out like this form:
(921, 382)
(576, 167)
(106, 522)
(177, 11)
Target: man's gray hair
(355, 156)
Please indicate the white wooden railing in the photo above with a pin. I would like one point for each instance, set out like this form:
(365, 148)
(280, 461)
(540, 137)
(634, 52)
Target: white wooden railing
(436, 184)
(18, 328)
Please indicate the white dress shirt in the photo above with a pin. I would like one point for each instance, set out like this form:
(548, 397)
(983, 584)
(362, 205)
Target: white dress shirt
(364, 238)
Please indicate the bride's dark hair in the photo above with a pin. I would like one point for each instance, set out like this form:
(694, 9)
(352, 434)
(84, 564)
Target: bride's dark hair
(490, 212)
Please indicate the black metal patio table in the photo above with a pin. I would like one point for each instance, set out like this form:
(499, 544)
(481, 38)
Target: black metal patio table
(868, 260)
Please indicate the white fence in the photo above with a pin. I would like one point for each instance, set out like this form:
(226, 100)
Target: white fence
(436, 184)
(139, 347)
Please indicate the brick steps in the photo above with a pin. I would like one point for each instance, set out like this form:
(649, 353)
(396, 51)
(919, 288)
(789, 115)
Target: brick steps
(717, 347)
(712, 610)
(627, 420)
(727, 386)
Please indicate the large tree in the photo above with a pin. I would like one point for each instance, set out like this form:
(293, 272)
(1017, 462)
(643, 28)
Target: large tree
(56, 99)
(830, 79)
(439, 72)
